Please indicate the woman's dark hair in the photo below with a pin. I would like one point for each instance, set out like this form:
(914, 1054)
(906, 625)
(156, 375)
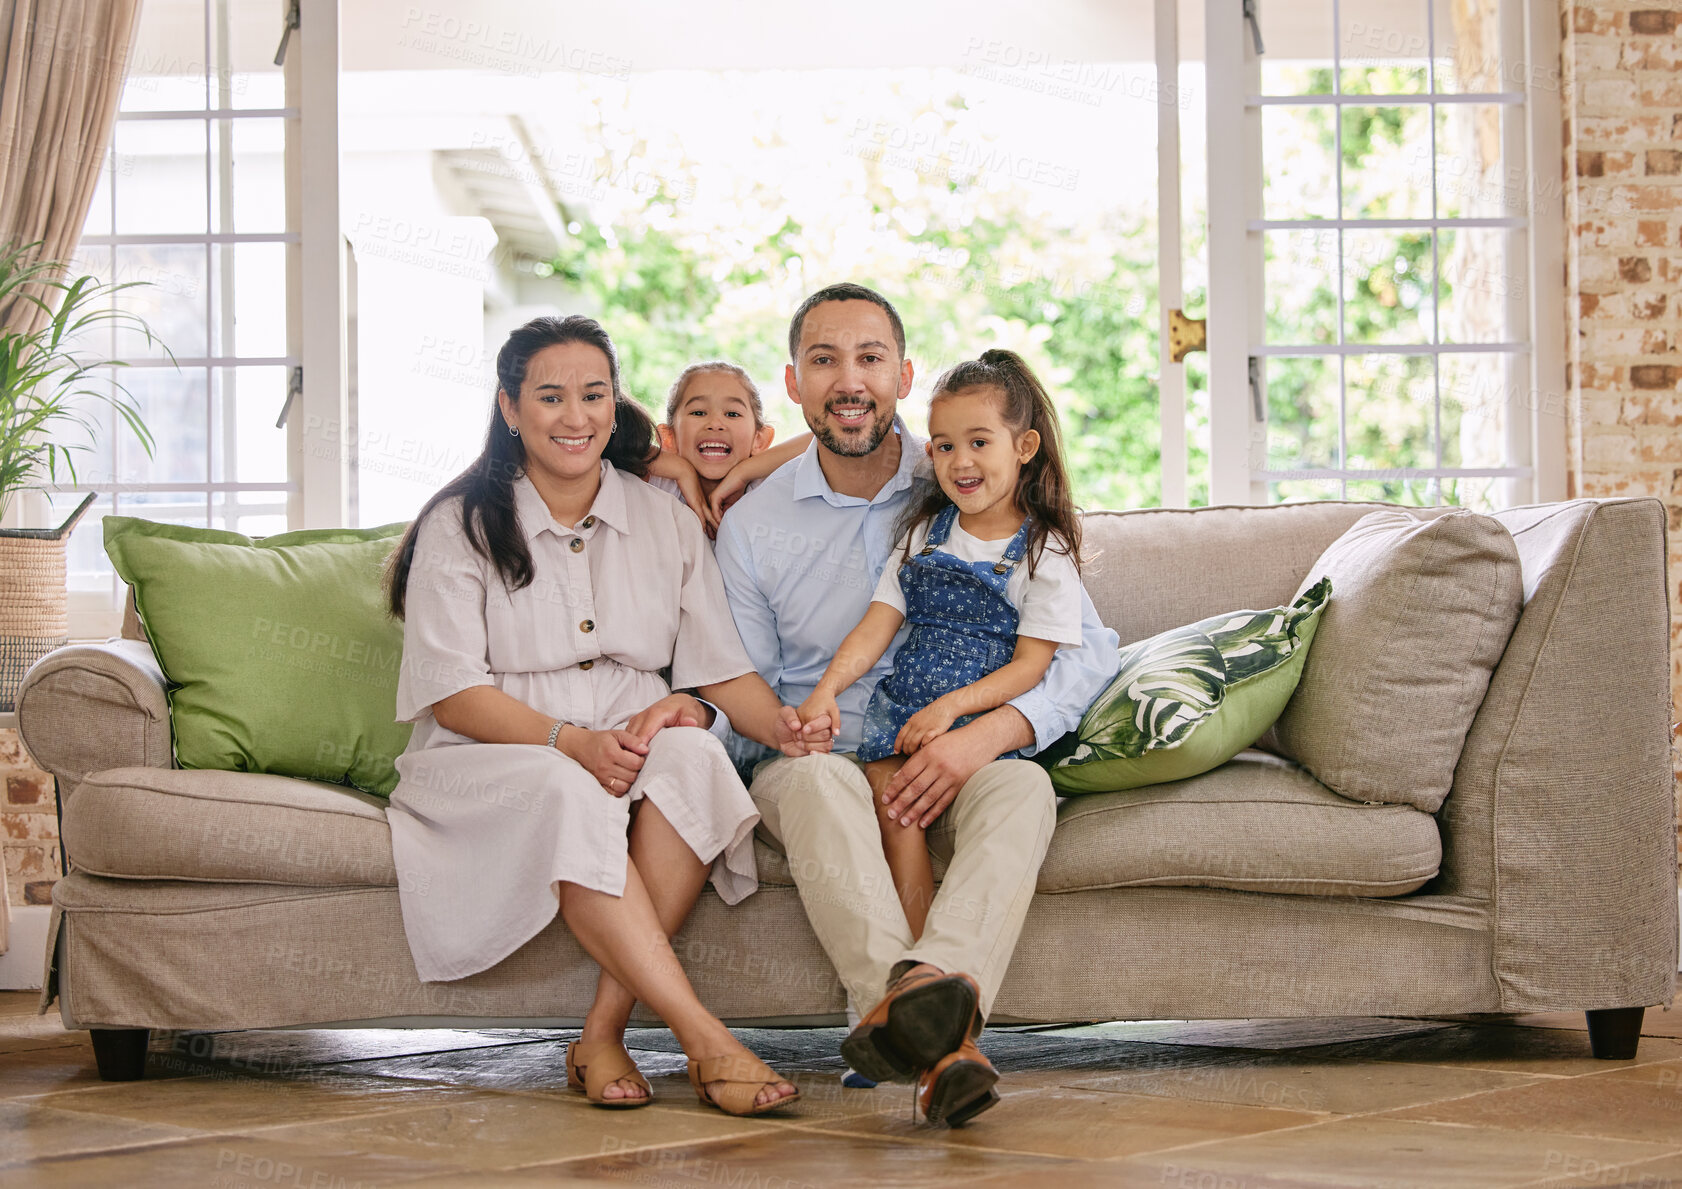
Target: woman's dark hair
(1042, 486)
(486, 487)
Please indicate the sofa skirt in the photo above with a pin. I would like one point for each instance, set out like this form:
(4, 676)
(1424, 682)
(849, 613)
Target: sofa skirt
(201, 956)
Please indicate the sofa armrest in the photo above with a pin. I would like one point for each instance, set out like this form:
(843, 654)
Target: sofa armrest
(1562, 818)
(88, 707)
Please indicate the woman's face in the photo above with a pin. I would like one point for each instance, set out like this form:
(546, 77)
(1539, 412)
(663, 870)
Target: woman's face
(565, 410)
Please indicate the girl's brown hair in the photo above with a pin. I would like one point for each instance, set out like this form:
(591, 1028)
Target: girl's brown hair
(1042, 485)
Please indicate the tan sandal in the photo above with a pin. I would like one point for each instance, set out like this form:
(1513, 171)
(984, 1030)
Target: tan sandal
(593, 1066)
(744, 1076)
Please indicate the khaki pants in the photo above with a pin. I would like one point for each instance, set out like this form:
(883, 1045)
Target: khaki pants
(993, 836)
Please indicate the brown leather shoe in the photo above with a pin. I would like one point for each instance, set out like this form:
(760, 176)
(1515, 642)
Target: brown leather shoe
(921, 1019)
(959, 1087)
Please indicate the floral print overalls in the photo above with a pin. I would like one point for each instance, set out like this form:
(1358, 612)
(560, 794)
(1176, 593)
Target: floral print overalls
(962, 628)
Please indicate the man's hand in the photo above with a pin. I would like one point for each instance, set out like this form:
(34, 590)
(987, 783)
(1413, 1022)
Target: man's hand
(613, 757)
(927, 724)
(673, 710)
(929, 780)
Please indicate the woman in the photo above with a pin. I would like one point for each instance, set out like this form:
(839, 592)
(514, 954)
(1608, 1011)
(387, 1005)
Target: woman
(551, 767)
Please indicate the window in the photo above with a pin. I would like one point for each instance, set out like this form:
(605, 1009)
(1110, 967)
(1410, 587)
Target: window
(1393, 239)
(192, 211)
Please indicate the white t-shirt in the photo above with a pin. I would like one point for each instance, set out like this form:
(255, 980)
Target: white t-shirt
(1047, 605)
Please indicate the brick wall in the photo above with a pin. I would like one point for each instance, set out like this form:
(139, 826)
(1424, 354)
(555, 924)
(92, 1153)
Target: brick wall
(28, 825)
(1621, 69)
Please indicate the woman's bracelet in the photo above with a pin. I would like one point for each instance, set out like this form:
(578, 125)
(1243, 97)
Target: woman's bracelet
(555, 731)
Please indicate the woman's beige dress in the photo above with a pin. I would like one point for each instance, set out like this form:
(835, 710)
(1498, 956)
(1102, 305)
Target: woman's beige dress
(483, 833)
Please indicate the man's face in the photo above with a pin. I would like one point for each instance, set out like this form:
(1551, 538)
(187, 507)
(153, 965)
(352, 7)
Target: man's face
(848, 377)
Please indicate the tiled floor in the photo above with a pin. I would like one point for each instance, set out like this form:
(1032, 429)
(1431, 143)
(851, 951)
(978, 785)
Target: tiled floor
(1215, 1105)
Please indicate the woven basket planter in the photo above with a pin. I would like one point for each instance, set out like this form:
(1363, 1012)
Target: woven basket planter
(34, 599)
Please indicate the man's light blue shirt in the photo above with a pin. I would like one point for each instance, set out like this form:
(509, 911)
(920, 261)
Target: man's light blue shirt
(800, 562)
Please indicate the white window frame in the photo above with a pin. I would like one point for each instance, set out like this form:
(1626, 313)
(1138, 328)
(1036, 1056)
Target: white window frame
(313, 493)
(1236, 320)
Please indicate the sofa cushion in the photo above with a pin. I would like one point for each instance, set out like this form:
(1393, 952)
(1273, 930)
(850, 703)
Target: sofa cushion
(1189, 699)
(1403, 654)
(239, 827)
(280, 654)
(1258, 823)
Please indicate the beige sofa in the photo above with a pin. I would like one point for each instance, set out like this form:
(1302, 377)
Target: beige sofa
(210, 900)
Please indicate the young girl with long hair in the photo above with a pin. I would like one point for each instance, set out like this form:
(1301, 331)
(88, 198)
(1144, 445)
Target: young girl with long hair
(988, 582)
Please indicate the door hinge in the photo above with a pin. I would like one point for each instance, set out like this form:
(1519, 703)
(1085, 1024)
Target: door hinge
(1255, 26)
(293, 18)
(1186, 335)
(294, 389)
(1256, 401)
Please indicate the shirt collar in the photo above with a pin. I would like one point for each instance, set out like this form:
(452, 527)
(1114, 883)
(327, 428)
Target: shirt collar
(608, 507)
(809, 477)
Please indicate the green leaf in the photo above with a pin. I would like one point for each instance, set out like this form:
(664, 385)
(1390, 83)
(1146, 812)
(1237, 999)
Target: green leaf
(1167, 684)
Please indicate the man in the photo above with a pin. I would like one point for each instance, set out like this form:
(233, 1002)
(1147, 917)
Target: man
(801, 555)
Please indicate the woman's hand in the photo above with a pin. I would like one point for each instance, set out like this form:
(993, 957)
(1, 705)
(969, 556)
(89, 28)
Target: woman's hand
(673, 710)
(613, 757)
(927, 724)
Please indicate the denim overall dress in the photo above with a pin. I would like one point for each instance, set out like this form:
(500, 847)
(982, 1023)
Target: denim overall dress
(962, 628)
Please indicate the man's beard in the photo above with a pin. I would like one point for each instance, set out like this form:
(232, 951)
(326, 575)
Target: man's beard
(853, 447)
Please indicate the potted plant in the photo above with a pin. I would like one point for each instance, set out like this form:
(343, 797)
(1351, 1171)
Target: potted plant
(48, 388)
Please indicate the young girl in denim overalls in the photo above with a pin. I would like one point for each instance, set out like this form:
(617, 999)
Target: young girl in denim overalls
(989, 583)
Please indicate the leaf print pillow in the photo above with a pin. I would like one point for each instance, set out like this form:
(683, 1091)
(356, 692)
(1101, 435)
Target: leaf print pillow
(1189, 699)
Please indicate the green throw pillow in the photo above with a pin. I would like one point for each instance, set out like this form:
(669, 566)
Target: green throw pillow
(279, 653)
(1190, 699)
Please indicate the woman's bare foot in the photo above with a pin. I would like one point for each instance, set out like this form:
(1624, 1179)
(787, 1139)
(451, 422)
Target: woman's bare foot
(595, 1031)
(723, 1043)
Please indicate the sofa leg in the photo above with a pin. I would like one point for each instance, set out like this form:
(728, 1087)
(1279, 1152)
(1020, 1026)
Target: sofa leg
(1615, 1032)
(120, 1053)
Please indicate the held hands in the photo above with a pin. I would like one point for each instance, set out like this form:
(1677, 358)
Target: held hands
(794, 738)
(927, 724)
(818, 718)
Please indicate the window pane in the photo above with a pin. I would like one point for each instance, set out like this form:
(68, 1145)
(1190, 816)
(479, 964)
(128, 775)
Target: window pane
(1387, 286)
(1302, 414)
(255, 151)
(243, 39)
(89, 568)
(168, 294)
(1299, 39)
(245, 445)
(1298, 162)
(1478, 395)
(1301, 286)
(1414, 492)
(1387, 162)
(166, 507)
(254, 513)
(161, 176)
(172, 406)
(250, 285)
(1300, 490)
(1471, 180)
(1390, 411)
(1483, 289)
(1382, 46)
(1469, 53)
